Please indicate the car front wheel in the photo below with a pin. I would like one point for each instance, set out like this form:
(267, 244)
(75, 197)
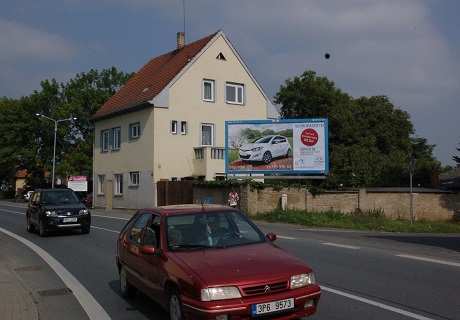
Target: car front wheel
(175, 306)
(127, 290)
(30, 226)
(267, 157)
(42, 230)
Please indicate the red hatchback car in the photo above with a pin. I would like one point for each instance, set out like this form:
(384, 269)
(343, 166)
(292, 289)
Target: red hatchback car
(212, 262)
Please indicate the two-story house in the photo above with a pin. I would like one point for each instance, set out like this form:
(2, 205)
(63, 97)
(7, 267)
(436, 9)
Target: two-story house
(168, 121)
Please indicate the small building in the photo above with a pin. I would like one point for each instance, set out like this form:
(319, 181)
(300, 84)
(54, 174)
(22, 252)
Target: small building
(450, 180)
(168, 121)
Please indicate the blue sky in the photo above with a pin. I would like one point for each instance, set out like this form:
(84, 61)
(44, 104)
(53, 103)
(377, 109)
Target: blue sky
(408, 50)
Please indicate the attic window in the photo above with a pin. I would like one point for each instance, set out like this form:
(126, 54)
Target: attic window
(146, 89)
(221, 56)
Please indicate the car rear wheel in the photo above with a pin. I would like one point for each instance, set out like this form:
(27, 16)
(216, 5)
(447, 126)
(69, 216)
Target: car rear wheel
(127, 290)
(42, 230)
(288, 153)
(175, 306)
(267, 157)
(85, 230)
(30, 226)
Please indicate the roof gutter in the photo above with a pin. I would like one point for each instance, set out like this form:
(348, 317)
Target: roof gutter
(141, 106)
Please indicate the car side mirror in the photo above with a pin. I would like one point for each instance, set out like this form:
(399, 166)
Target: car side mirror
(271, 237)
(150, 250)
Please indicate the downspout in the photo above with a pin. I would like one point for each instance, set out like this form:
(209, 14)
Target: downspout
(155, 201)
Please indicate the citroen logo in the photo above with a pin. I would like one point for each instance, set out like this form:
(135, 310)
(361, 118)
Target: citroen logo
(267, 288)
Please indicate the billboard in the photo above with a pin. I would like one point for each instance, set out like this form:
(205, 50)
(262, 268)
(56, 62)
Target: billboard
(77, 183)
(296, 146)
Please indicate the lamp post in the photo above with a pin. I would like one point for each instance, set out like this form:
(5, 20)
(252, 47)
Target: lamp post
(55, 132)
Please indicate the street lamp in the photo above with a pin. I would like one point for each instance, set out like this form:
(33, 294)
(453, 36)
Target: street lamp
(55, 132)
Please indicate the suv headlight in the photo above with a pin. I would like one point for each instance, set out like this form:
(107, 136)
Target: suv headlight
(83, 211)
(220, 293)
(51, 213)
(302, 280)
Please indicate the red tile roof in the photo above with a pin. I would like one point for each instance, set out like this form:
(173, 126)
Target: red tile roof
(151, 79)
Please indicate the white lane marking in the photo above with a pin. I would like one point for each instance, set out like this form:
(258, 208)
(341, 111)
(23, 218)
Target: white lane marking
(93, 227)
(23, 213)
(93, 309)
(377, 304)
(429, 260)
(340, 245)
(109, 217)
(284, 237)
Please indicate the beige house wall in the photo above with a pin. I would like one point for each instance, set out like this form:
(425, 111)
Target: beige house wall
(396, 205)
(174, 153)
(160, 154)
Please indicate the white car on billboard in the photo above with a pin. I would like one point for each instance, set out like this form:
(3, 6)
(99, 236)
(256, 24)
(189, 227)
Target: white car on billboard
(265, 148)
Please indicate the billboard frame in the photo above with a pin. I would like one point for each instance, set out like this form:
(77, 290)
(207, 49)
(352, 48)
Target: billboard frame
(309, 152)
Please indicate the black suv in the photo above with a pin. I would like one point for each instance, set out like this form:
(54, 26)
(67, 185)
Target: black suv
(57, 209)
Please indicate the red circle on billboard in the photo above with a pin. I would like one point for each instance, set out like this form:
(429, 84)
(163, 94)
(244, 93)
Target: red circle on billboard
(309, 137)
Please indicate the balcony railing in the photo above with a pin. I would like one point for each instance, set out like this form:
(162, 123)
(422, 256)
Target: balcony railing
(208, 161)
(215, 153)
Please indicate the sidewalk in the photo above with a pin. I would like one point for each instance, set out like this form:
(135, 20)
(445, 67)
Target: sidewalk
(16, 298)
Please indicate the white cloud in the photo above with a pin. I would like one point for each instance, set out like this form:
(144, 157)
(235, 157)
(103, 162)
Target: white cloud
(18, 41)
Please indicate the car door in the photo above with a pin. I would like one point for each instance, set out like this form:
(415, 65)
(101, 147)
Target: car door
(277, 147)
(34, 207)
(131, 249)
(151, 272)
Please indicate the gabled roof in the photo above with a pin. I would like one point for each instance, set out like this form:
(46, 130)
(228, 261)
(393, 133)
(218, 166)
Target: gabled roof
(151, 79)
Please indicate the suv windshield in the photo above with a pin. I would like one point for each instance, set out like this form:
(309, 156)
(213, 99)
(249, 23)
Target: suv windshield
(59, 196)
(211, 230)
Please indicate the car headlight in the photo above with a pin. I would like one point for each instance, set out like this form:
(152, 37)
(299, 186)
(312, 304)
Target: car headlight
(302, 280)
(257, 148)
(220, 293)
(51, 213)
(83, 211)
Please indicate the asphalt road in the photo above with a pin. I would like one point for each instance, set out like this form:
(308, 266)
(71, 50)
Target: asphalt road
(363, 275)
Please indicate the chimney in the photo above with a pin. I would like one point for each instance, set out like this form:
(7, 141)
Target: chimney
(180, 40)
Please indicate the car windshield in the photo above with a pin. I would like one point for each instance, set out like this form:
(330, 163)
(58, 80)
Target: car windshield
(59, 196)
(211, 230)
(265, 139)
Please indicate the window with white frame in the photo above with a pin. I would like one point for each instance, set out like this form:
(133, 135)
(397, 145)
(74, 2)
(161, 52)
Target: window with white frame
(101, 184)
(116, 138)
(208, 90)
(207, 134)
(183, 127)
(234, 93)
(134, 130)
(118, 184)
(105, 140)
(134, 178)
(174, 126)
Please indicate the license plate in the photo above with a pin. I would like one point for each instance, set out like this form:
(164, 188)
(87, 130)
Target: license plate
(69, 220)
(273, 306)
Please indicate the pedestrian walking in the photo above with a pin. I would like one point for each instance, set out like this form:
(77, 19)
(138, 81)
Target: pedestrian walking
(233, 198)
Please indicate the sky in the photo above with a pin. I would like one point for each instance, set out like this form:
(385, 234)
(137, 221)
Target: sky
(407, 50)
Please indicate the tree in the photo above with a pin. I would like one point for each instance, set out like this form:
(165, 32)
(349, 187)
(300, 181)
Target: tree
(28, 142)
(457, 158)
(369, 139)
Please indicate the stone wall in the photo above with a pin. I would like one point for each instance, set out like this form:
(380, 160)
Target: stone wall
(425, 205)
